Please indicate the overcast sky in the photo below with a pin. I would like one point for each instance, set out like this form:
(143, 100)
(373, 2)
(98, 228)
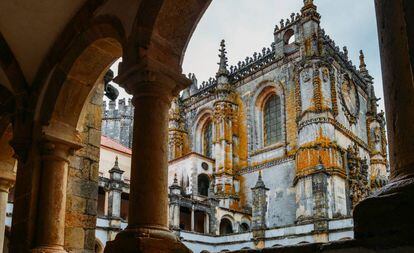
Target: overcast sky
(247, 26)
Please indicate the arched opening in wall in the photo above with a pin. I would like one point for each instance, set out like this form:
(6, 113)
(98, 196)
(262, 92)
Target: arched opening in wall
(185, 218)
(73, 100)
(272, 123)
(226, 227)
(203, 183)
(101, 202)
(289, 37)
(244, 227)
(199, 221)
(208, 139)
(124, 206)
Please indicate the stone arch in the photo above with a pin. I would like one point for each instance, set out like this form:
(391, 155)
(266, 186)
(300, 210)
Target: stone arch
(226, 225)
(203, 184)
(203, 118)
(158, 16)
(264, 91)
(72, 80)
(288, 35)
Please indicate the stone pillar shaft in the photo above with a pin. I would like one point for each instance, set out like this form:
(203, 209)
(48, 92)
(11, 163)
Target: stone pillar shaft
(4, 193)
(149, 174)
(387, 216)
(397, 69)
(52, 198)
(192, 219)
(153, 86)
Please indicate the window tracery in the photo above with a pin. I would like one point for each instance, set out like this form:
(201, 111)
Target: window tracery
(208, 139)
(272, 124)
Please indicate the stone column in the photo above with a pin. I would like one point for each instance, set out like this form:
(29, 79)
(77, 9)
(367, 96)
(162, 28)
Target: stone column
(175, 194)
(388, 214)
(52, 196)
(6, 182)
(153, 86)
(115, 191)
(259, 209)
(192, 218)
(207, 224)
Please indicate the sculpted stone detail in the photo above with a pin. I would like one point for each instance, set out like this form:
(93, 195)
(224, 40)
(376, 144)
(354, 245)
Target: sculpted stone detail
(358, 176)
(349, 99)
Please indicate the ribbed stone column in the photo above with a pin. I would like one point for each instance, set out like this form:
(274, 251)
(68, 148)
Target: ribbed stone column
(52, 197)
(5, 184)
(153, 86)
(389, 213)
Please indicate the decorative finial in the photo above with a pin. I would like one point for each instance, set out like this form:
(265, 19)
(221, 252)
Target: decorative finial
(346, 52)
(260, 183)
(175, 179)
(116, 161)
(222, 71)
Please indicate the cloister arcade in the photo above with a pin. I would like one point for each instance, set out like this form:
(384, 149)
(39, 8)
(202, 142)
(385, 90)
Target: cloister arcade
(53, 56)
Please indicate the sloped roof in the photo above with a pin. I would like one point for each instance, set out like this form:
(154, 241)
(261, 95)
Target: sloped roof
(112, 144)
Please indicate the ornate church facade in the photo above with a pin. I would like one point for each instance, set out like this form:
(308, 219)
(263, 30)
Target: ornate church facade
(277, 150)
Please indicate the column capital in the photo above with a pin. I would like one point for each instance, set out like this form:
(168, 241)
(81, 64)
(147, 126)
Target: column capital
(59, 141)
(7, 180)
(152, 78)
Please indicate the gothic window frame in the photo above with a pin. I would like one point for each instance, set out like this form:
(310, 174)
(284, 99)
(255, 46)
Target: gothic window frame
(272, 120)
(264, 91)
(204, 117)
(207, 135)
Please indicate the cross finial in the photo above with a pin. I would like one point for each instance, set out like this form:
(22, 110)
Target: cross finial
(222, 71)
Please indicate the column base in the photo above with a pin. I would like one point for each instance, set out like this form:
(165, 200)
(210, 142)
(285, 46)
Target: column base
(146, 240)
(388, 215)
(49, 249)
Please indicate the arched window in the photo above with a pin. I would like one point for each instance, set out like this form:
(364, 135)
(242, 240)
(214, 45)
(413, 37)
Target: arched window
(244, 227)
(272, 120)
(226, 227)
(203, 183)
(208, 139)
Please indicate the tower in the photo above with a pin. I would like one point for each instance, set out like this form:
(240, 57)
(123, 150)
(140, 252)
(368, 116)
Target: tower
(224, 117)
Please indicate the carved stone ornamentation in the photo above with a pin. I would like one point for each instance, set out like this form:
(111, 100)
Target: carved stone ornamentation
(349, 99)
(358, 183)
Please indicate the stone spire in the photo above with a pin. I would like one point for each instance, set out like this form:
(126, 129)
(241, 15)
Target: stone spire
(222, 71)
(260, 183)
(175, 188)
(363, 68)
(115, 168)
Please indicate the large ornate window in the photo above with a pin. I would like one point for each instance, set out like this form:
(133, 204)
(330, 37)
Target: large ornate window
(208, 139)
(272, 123)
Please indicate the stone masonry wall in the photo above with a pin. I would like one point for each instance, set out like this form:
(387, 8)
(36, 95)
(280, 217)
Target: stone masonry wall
(82, 191)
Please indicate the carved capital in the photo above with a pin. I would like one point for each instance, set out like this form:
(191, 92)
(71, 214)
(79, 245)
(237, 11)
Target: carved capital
(7, 180)
(59, 141)
(152, 78)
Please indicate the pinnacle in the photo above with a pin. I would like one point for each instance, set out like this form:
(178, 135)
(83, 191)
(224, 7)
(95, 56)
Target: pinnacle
(222, 71)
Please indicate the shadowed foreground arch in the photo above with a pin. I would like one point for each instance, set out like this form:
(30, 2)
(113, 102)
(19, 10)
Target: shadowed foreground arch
(151, 71)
